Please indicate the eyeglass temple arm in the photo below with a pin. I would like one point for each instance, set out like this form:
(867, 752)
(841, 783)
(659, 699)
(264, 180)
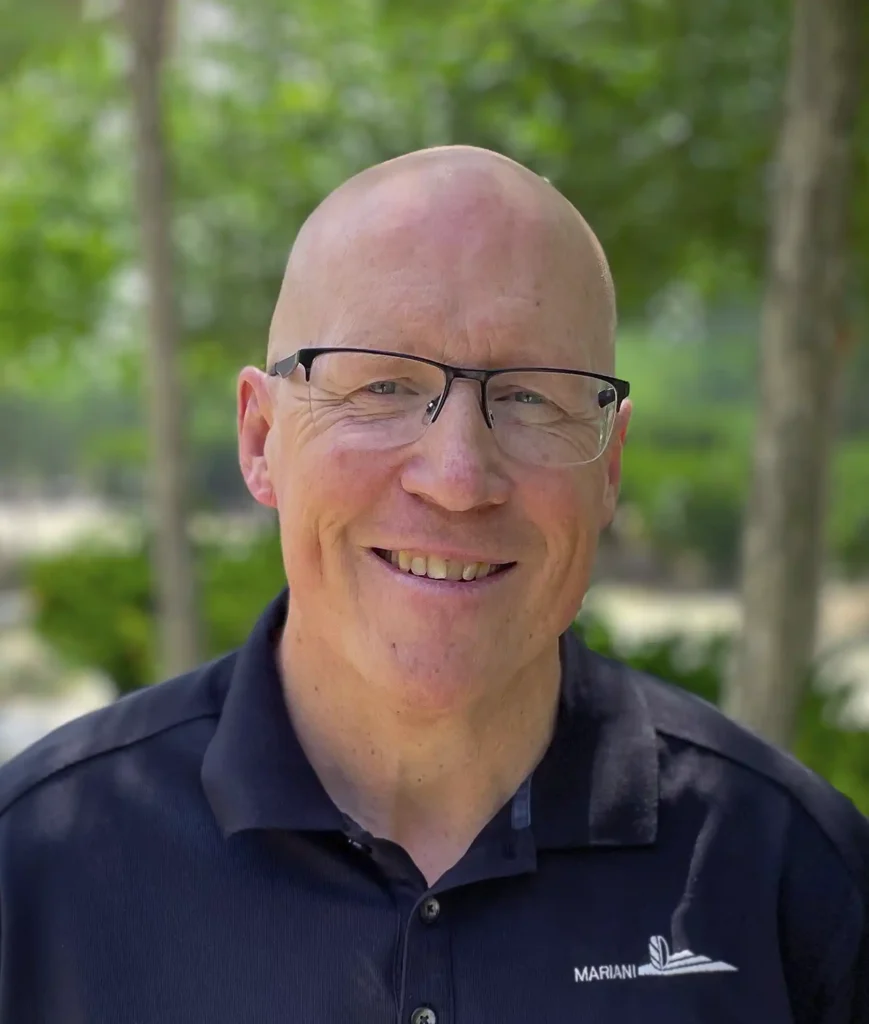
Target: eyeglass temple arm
(284, 367)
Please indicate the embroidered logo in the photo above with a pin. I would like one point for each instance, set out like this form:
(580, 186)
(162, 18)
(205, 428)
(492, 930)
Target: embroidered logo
(662, 963)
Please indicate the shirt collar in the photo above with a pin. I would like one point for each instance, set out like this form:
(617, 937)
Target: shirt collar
(255, 773)
(596, 785)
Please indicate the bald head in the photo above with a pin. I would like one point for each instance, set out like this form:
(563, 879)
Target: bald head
(439, 234)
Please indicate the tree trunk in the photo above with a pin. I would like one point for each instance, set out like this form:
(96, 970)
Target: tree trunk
(147, 26)
(802, 316)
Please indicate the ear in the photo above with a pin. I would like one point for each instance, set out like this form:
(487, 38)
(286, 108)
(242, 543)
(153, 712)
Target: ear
(613, 464)
(255, 418)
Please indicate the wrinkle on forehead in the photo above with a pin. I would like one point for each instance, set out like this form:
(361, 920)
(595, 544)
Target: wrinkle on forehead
(458, 217)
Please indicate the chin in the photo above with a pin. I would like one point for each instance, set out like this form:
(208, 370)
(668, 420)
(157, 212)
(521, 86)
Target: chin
(436, 675)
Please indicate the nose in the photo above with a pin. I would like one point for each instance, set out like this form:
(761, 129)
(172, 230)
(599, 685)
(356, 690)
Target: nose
(456, 464)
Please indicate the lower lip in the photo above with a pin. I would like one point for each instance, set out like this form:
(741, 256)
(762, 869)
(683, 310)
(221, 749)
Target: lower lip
(442, 586)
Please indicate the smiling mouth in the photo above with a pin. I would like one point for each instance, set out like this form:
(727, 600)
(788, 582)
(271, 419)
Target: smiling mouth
(433, 567)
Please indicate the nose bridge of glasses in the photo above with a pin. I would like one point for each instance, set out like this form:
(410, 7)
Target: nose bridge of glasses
(475, 379)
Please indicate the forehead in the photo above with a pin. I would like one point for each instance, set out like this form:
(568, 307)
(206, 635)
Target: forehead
(475, 278)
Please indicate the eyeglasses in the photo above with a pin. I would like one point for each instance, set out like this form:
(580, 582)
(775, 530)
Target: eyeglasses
(382, 400)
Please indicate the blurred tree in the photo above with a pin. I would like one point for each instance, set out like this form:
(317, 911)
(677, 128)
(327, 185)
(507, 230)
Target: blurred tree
(802, 320)
(148, 29)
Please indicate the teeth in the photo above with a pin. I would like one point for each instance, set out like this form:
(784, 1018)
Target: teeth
(454, 571)
(437, 568)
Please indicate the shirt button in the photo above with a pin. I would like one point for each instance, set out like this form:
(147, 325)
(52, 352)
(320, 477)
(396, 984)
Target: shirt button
(423, 1015)
(430, 910)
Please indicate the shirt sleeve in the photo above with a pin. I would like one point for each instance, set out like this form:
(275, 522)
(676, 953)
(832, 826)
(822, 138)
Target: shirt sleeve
(859, 990)
(848, 1001)
(823, 929)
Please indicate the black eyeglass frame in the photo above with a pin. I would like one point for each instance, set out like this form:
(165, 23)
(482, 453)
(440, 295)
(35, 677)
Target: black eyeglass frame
(305, 358)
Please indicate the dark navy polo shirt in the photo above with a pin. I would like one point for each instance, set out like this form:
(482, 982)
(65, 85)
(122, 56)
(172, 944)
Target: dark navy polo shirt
(173, 859)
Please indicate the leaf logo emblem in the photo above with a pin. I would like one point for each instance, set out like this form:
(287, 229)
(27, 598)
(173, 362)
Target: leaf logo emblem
(659, 952)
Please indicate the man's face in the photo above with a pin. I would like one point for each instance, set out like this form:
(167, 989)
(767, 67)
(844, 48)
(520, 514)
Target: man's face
(473, 284)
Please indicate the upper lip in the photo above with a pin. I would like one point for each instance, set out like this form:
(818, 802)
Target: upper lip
(448, 554)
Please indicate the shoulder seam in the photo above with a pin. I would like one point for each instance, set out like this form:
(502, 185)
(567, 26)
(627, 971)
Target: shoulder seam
(789, 793)
(104, 752)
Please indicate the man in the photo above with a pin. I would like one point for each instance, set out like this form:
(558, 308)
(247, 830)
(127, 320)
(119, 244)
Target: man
(414, 795)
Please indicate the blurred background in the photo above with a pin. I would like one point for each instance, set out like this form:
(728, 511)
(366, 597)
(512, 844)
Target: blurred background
(156, 161)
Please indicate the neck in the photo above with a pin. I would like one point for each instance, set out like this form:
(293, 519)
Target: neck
(426, 781)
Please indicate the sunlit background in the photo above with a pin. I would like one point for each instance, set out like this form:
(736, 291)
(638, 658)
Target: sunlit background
(657, 118)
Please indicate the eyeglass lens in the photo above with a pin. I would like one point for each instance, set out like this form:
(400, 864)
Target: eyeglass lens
(538, 416)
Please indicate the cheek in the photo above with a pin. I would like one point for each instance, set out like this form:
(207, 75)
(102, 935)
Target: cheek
(566, 508)
(323, 490)
(346, 481)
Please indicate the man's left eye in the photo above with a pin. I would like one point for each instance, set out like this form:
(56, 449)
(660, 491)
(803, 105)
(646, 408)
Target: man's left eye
(524, 397)
(382, 387)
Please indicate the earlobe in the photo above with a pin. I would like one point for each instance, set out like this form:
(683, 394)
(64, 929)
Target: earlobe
(254, 425)
(611, 492)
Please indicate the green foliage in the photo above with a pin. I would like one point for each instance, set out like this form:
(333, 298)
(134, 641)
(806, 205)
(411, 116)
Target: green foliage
(687, 461)
(61, 188)
(849, 507)
(271, 107)
(839, 754)
(95, 606)
(34, 31)
(690, 500)
(237, 583)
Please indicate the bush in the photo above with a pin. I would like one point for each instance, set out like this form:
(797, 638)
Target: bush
(95, 607)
